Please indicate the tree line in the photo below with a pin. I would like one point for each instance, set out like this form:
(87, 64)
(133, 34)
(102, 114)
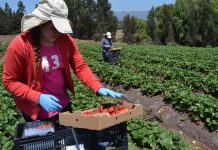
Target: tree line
(187, 22)
(10, 21)
(90, 18)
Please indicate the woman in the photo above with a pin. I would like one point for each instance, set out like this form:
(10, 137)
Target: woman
(106, 44)
(38, 63)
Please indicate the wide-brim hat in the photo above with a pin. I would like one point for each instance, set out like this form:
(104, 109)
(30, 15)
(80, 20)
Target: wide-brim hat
(48, 10)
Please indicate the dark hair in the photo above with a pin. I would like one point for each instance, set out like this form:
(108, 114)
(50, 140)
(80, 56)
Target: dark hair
(35, 33)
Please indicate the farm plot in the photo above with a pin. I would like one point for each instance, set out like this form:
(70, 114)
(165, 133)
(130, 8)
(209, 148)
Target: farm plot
(186, 78)
(143, 134)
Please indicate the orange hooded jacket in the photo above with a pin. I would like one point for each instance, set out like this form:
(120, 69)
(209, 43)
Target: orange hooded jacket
(19, 71)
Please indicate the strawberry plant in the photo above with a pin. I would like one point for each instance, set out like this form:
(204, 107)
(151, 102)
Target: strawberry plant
(148, 135)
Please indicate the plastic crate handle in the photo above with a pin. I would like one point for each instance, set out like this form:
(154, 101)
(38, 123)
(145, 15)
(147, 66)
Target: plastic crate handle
(75, 138)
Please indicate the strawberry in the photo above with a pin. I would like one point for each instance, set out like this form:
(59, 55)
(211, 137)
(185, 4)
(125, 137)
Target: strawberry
(97, 110)
(88, 113)
(49, 125)
(120, 107)
(40, 126)
(105, 111)
(111, 109)
(123, 110)
(101, 107)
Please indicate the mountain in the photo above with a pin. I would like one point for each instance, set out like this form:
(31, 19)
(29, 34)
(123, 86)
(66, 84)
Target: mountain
(140, 14)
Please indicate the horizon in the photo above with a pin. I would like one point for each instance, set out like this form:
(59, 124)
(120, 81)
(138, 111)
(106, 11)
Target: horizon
(116, 5)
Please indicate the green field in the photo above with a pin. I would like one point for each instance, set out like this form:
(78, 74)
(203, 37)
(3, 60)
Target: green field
(188, 77)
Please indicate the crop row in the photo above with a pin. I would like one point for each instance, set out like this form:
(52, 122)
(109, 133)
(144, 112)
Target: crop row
(201, 107)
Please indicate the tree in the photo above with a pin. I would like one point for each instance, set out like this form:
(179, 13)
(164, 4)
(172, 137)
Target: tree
(141, 35)
(16, 25)
(2, 20)
(206, 22)
(192, 38)
(215, 17)
(83, 15)
(91, 19)
(106, 20)
(165, 24)
(180, 19)
(195, 22)
(74, 8)
(168, 36)
(84, 18)
(129, 29)
(7, 19)
(152, 25)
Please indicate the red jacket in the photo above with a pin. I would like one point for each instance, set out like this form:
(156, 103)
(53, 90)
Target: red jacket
(19, 69)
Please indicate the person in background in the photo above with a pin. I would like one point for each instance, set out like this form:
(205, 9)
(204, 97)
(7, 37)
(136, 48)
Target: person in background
(38, 63)
(106, 44)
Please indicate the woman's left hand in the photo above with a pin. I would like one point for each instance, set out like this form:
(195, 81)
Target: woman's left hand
(108, 92)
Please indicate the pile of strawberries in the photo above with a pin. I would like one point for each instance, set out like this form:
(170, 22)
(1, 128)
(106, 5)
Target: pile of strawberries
(45, 125)
(111, 110)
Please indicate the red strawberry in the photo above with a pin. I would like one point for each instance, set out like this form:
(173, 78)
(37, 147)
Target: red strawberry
(120, 107)
(40, 126)
(111, 109)
(105, 111)
(123, 110)
(49, 125)
(101, 107)
(88, 113)
(97, 110)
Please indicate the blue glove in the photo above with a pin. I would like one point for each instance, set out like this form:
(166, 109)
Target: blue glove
(107, 92)
(49, 103)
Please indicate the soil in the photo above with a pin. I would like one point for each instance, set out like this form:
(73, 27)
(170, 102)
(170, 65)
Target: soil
(199, 137)
(6, 38)
(2, 54)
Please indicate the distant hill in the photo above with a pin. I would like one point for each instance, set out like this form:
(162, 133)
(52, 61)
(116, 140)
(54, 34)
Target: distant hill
(140, 14)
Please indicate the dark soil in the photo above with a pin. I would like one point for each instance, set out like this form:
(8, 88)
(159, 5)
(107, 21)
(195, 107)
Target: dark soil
(197, 136)
(215, 95)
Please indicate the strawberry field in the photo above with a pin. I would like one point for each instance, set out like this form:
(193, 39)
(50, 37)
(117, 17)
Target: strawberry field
(186, 77)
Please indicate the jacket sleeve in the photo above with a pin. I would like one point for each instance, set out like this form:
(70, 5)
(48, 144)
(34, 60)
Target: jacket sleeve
(102, 43)
(13, 72)
(81, 69)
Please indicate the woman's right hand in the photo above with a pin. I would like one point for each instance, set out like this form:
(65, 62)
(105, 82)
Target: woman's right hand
(108, 92)
(49, 102)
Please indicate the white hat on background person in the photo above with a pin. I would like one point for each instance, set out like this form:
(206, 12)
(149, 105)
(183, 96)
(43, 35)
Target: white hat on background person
(108, 34)
(48, 10)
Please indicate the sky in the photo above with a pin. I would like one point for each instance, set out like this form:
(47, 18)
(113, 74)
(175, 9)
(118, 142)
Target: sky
(117, 5)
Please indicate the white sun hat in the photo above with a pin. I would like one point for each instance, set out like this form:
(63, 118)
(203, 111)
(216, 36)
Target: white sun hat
(54, 10)
(108, 35)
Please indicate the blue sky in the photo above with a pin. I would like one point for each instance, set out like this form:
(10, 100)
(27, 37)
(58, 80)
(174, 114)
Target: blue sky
(117, 5)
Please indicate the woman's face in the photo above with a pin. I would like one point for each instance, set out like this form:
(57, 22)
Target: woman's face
(49, 32)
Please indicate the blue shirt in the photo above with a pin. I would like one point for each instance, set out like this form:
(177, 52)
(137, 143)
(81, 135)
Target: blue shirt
(106, 44)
